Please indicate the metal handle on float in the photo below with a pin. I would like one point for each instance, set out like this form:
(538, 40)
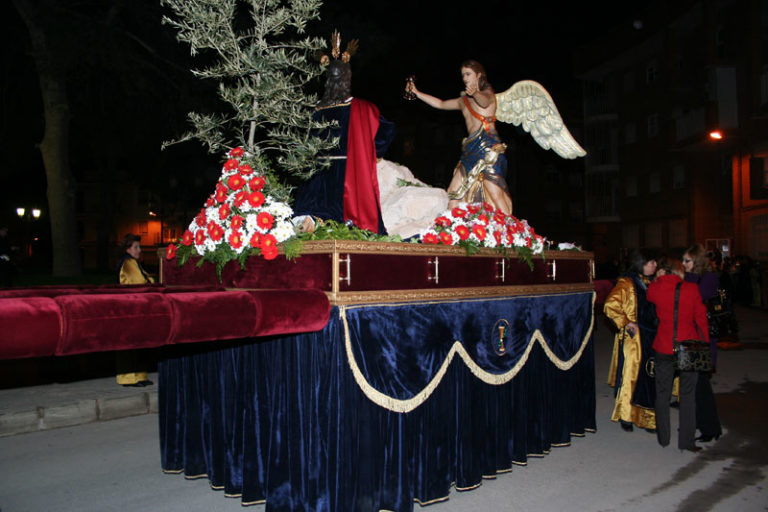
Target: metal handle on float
(502, 263)
(348, 277)
(552, 274)
(436, 275)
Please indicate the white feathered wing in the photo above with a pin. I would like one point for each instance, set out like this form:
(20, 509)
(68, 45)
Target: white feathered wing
(528, 103)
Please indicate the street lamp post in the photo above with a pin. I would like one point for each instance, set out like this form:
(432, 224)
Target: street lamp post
(27, 217)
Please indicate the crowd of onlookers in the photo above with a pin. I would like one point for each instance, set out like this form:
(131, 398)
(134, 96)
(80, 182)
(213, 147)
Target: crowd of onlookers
(741, 277)
(655, 302)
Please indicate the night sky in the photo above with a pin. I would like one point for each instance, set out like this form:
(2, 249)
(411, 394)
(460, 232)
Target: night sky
(130, 87)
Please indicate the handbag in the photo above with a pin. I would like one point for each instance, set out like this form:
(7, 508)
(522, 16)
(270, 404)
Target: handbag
(722, 321)
(690, 355)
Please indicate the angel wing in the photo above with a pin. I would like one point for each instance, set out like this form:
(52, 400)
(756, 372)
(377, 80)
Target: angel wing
(528, 103)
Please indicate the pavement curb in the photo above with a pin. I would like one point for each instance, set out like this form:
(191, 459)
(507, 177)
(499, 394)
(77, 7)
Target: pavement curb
(77, 413)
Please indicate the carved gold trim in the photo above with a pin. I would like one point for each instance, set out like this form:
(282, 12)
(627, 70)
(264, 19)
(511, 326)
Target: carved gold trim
(389, 296)
(403, 248)
(408, 405)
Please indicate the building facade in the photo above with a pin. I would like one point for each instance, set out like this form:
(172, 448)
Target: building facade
(655, 95)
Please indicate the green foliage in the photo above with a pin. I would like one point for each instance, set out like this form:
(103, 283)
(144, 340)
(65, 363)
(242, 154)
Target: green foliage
(261, 61)
(333, 230)
(405, 183)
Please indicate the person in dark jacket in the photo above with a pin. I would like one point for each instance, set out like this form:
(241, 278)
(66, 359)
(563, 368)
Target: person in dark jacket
(698, 270)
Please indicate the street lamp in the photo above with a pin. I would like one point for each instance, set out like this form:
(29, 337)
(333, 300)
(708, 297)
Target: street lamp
(20, 212)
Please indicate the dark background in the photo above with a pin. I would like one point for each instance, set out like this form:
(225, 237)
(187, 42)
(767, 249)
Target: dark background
(130, 86)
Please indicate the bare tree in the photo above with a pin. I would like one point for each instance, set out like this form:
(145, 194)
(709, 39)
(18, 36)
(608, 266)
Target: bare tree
(54, 147)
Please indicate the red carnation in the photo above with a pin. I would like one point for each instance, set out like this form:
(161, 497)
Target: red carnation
(235, 182)
(240, 198)
(210, 202)
(482, 219)
(237, 222)
(236, 152)
(459, 213)
(462, 232)
(231, 164)
(200, 237)
(221, 193)
(201, 219)
(245, 169)
(265, 221)
(224, 211)
(215, 231)
(479, 231)
(257, 183)
(430, 238)
(528, 242)
(269, 253)
(445, 238)
(488, 207)
(235, 239)
(188, 238)
(256, 240)
(499, 217)
(443, 221)
(170, 252)
(269, 247)
(256, 199)
(497, 236)
(473, 208)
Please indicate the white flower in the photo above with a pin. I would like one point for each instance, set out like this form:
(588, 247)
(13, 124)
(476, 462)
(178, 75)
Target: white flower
(251, 223)
(210, 245)
(282, 231)
(279, 210)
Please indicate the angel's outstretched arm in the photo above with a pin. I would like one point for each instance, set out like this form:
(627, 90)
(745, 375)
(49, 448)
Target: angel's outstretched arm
(432, 101)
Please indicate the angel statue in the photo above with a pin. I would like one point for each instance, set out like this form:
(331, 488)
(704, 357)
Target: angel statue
(480, 174)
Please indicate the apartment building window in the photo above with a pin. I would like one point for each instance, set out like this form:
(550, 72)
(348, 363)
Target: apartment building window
(764, 86)
(551, 175)
(554, 210)
(678, 233)
(654, 182)
(720, 41)
(651, 72)
(630, 236)
(678, 177)
(630, 133)
(653, 125)
(631, 186)
(653, 235)
(628, 81)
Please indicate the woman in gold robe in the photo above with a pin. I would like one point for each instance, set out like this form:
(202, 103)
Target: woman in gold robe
(131, 371)
(631, 373)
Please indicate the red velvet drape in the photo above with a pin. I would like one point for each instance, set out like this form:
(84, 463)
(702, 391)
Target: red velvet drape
(361, 185)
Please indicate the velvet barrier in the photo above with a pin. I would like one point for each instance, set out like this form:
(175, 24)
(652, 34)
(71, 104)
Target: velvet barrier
(389, 405)
(76, 321)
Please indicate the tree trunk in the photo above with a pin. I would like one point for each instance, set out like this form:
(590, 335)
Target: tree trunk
(54, 147)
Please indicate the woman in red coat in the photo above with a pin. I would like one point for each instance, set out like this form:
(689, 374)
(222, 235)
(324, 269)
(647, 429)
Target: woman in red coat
(691, 324)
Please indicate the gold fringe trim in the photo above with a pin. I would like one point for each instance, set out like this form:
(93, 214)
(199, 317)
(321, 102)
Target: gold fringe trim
(428, 502)
(462, 489)
(408, 405)
(251, 503)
